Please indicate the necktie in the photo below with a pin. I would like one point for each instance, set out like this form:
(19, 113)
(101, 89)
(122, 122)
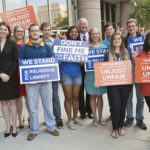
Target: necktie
(84, 37)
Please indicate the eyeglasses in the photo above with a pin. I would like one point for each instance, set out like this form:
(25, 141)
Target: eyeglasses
(34, 31)
(19, 31)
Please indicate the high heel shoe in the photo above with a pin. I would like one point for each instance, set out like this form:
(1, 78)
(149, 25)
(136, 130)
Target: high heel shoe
(15, 134)
(7, 134)
(22, 126)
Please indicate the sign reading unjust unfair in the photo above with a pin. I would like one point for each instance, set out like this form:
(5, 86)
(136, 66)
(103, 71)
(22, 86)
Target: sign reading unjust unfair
(38, 70)
(113, 73)
(71, 50)
(142, 70)
(22, 16)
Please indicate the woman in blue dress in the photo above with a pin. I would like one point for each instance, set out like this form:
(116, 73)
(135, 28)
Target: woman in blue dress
(96, 100)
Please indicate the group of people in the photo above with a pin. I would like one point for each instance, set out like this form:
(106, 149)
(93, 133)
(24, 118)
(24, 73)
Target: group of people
(74, 80)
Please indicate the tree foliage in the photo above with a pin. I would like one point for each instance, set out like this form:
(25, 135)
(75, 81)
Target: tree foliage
(60, 22)
(141, 12)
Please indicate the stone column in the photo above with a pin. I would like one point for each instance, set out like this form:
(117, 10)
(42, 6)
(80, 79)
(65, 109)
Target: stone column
(125, 10)
(90, 9)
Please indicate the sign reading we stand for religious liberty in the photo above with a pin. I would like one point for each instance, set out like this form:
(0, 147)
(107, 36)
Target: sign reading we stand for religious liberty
(22, 16)
(113, 73)
(142, 70)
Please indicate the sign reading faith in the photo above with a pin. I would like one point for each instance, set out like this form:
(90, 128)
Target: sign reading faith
(113, 73)
(22, 16)
(136, 43)
(142, 70)
(71, 50)
(95, 55)
(38, 70)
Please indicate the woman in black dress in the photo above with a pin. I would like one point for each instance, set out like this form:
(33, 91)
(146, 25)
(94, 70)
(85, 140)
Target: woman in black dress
(9, 89)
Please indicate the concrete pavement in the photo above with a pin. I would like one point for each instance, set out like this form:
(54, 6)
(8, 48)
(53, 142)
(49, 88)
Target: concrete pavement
(86, 137)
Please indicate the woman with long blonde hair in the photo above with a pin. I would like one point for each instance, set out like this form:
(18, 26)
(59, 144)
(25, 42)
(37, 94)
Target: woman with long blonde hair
(96, 100)
(118, 94)
(20, 39)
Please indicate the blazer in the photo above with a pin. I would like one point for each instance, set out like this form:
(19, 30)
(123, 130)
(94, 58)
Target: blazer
(9, 58)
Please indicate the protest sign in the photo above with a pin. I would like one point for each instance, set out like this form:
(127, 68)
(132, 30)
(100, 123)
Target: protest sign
(38, 70)
(136, 43)
(95, 55)
(113, 73)
(71, 50)
(23, 16)
(142, 70)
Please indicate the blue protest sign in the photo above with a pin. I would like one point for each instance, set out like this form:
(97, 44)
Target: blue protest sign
(95, 55)
(136, 43)
(71, 50)
(38, 70)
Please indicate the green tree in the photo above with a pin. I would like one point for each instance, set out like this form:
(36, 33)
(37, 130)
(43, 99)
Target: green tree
(141, 12)
(60, 22)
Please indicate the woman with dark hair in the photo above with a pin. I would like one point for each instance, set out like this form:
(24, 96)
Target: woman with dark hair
(145, 53)
(71, 79)
(9, 88)
(20, 39)
(118, 95)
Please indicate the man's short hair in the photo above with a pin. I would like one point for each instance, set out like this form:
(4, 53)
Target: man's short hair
(45, 24)
(82, 19)
(108, 25)
(32, 25)
(131, 20)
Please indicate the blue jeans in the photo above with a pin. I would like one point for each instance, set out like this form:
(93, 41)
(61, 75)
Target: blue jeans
(56, 102)
(45, 91)
(139, 105)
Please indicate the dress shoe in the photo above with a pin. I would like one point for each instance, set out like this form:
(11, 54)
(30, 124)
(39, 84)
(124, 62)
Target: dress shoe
(83, 116)
(90, 116)
(7, 134)
(31, 136)
(15, 134)
(141, 125)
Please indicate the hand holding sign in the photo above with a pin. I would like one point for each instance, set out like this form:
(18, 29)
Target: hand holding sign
(133, 53)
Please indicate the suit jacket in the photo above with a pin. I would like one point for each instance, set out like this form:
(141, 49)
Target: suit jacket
(9, 58)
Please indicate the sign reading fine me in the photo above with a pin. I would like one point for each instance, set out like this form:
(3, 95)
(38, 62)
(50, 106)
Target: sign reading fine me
(71, 50)
(142, 70)
(38, 70)
(113, 73)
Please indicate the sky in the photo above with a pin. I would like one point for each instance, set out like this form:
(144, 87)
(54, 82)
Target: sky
(14, 4)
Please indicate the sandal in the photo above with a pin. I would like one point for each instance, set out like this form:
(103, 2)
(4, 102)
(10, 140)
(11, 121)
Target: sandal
(121, 132)
(114, 134)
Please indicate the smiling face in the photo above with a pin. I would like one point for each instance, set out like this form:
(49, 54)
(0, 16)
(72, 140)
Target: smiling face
(34, 32)
(95, 37)
(83, 26)
(132, 28)
(19, 33)
(4, 32)
(117, 41)
(46, 32)
(73, 34)
(109, 31)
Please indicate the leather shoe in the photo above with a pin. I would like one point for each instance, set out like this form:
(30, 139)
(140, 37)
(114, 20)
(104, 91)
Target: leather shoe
(82, 116)
(54, 132)
(141, 125)
(31, 136)
(90, 116)
(15, 134)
